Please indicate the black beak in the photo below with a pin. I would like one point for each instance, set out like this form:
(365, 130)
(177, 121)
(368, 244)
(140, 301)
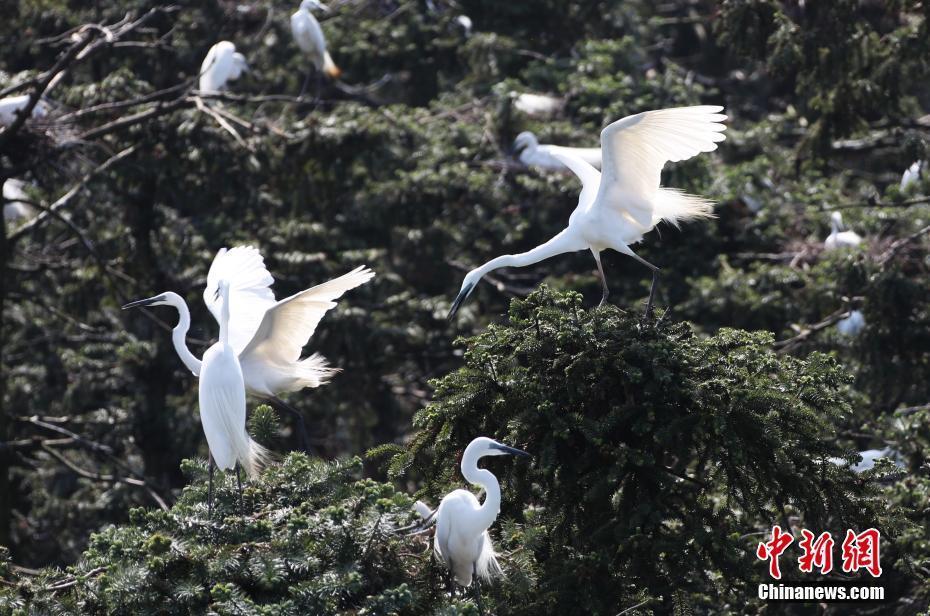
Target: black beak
(143, 302)
(512, 450)
(216, 295)
(459, 300)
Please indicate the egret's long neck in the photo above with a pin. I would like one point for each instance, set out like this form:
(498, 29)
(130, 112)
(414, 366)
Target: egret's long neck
(836, 226)
(179, 336)
(491, 506)
(566, 241)
(224, 318)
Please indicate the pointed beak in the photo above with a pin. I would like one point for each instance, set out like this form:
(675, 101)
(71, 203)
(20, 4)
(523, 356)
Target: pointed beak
(459, 300)
(512, 451)
(144, 302)
(216, 295)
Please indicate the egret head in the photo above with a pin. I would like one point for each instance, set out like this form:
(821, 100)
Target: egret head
(310, 5)
(165, 299)
(836, 219)
(468, 285)
(484, 446)
(524, 141)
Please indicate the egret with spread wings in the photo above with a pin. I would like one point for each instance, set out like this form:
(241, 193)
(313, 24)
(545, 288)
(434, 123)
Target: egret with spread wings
(267, 335)
(619, 205)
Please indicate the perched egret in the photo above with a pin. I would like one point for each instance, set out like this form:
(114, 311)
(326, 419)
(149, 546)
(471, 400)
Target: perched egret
(529, 152)
(222, 405)
(464, 22)
(461, 540)
(308, 34)
(10, 105)
(17, 203)
(912, 174)
(851, 325)
(839, 238)
(267, 335)
(537, 105)
(869, 458)
(617, 207)
(222, 64)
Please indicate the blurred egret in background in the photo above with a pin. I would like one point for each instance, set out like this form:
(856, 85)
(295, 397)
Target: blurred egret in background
(222, 405)
(308, 34)
(851, 325)
(868, 459)
(10, 105)
(617, 207)
(267, 335)
(461, 540)
(839, 238)
(912, 174)
(528, 151)
(222, 65)
(17, 204)
(537, 105)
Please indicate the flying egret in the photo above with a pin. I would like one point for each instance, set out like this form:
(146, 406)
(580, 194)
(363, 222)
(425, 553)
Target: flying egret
(912, 174)
(839, 238)
(461, 540)
(17, 203)
(11, 105)
(222, 64)
(222, 405)
(851, 325)
(529, 152)
(537, 105)
(267, 335)
(615, 209)
(308, 34)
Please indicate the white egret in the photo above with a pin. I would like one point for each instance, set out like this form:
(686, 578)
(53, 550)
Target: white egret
(839, 238)
(222, 65)
(912, 174)
(537, 105)
(222, 405)
(308, 34)
(852, 324)
(17, 203)
(11, 105)
(528, 151)
(615, 209)
(869, 457)
(462, 541)
(465, 23)
(268, 336)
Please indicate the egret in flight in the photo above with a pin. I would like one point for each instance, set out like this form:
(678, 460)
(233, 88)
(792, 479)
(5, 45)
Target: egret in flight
(222, 405)
(308, 34)
(461, 540)
(839, 238)
(267, 335)
(222, 65)
(618, 206)
(528, 151)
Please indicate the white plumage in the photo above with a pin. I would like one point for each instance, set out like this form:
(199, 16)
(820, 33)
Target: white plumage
(618, 206)
(912, 174)
(532, 154)
(308, 34)
(17, 204)
(839, 238)
(221, 65)
(537, 105)
(851, 325)
(10, 105)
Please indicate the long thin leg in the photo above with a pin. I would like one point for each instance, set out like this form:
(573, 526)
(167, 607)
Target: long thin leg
(306, 82)
(655, 279)
(303, 438)
(477, 585)
(210, 489)
(600, 269)
(239, 484)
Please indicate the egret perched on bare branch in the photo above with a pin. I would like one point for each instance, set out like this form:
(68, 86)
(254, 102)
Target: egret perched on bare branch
(222, 405)
(11, 105)
(617, 207)
(308, 34)
(839, 238)
(267, 335)
(222, 65)
(461, 540)
(527, 149)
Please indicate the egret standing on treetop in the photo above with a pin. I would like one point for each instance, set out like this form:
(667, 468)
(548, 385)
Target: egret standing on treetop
(839, 238)
(528, 151)
(461, 540)
(268, 336)
(222, 405)
(618, 206)
(222, 64)
(308, 34)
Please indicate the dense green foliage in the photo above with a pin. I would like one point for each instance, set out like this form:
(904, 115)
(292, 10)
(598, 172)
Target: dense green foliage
(660, 447)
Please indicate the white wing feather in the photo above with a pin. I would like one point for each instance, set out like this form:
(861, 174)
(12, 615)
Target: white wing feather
(589, 176)
(287, 326)
(250, 294)
(636, 148)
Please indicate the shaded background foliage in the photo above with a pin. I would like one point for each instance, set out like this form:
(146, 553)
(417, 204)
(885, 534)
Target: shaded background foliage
(405, 166)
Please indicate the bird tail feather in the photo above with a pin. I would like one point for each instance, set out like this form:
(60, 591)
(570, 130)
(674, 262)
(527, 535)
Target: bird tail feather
(329, 67)
(675, 206)
(487, 566)
(312, 372)
(257, 458)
